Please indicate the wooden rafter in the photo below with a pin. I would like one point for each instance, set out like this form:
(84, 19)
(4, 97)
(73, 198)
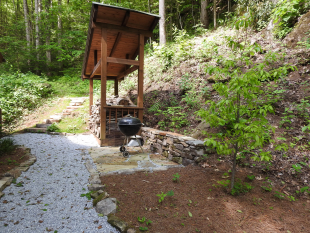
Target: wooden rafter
(117, 28)
(128, 71)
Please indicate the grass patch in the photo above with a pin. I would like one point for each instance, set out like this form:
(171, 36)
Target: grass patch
(76, 122)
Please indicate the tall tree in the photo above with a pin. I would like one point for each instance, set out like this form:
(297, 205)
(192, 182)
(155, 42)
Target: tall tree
(26, 13)
(37, 20)
(48, 36)
(162, 24)
(204, 17)
(59, 25)
(214, 13)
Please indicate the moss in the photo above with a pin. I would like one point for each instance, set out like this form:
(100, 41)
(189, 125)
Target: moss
(99, 198)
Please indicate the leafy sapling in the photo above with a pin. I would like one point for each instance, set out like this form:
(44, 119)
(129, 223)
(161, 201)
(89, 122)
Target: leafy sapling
(176, 177)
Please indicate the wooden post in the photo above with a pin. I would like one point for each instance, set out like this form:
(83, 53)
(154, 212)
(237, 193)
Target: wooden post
(104, 56)
(140, 76)
(91, 94)
(91, 84)
(116, 87)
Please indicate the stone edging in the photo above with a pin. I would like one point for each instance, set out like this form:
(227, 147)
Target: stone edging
(14, 173)
(176, 147)
(103, 204)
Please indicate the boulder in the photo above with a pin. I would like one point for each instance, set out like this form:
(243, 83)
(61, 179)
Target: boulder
(118, 224)
(106, 206)
(95, 187)
(299, 31)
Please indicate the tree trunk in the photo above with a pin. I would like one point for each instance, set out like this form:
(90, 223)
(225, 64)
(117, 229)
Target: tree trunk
(162, 24)
(27, 23)
(204, 14)
(48, 37)
(229, 5)
(59, 31)
(37, 20)
(214, 13)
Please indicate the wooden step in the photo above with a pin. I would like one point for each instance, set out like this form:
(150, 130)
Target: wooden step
(36, 130)
(43, 125)
(75, 104)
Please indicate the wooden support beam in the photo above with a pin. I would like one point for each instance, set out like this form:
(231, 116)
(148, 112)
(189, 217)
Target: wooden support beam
(98, 65)
(115, 87)
(91, 94)
(104, 55)
(130, 70)
(123, 29)
(140, 76)
(123, 61)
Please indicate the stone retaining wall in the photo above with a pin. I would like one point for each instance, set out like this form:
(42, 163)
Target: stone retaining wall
(176, 147)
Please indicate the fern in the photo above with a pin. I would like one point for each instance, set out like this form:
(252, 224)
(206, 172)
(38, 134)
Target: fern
(155, 107)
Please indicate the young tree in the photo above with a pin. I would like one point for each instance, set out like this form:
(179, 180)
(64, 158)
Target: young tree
(162, 24)
(204, 17)
(37, 23)
(240, 114)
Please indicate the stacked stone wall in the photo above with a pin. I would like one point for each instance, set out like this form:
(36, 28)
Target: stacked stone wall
(176, 147)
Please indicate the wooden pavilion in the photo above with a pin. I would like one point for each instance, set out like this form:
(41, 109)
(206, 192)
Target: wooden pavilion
(116, 37)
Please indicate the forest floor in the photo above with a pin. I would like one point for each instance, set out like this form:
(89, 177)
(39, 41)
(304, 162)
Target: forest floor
(199, 205)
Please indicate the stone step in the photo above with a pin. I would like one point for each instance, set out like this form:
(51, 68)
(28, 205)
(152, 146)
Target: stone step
(68, 110)
(74, 107)
(66, 113)
(75, 104)
(56, 117)
(55, 120)
(43, 125)
(36, 130)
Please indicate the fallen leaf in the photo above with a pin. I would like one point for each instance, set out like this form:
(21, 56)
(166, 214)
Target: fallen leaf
(40, 221)
(100, 227)
(240, 211)
(5, 201)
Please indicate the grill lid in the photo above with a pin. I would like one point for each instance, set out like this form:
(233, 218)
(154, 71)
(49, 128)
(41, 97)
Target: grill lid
(129, 121)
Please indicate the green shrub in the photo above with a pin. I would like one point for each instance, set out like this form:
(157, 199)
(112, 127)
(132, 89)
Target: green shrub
(7, 145)
(53, 128)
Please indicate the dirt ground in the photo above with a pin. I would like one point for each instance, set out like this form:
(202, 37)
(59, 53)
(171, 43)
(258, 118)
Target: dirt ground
(198, 206)
(12, 160)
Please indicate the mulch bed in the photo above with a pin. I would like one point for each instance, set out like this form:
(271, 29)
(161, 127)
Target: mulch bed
(198, 206)
(12, 160)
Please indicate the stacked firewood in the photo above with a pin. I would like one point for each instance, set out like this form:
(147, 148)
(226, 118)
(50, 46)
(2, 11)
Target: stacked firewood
(94, 119)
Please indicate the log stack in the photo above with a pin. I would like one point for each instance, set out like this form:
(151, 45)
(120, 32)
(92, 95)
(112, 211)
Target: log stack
(94, 119)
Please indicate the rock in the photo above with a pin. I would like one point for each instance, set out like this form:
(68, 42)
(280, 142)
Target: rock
(179, 146)
(187, 162)
(1, 194)
(118, 224)
(106, 206)
(89, 167)
(95, 187)
(131, 230)
(100, 197)
(94, 195)
(177, 160)
(198, 132)
(94, 179)
(299, 32)
(195, 143)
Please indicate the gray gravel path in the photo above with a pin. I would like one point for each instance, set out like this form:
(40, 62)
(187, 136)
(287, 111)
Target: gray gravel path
(50, 198)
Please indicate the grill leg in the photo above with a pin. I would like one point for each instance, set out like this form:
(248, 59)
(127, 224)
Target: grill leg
(139, 143)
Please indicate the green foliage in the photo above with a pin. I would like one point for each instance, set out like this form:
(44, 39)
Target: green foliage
(251, 177)
(267, 188)
(279, 195)
(297, 167)
(163, 195)
(174, 118)
(20, 93)
(7, 145)
(302, 190)
(259, 9)
(143, 228)
(142, 220)
(240, 188)
(87, 195)
(53, 128)
(176, 177)
(285, 15)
